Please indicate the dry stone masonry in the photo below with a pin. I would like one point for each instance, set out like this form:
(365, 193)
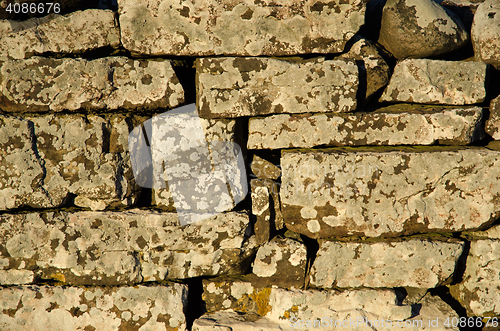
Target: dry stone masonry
(359, 187)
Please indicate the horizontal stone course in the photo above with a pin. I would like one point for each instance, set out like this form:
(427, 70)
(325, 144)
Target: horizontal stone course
(458, 126)
(384, 191)
(248, 28)
(233, 87)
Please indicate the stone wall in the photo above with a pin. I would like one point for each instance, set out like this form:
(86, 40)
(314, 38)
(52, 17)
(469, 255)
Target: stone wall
(368, 130)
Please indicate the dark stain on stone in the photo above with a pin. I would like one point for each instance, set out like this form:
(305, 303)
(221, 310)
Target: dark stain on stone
(89, 328)
(53, 306)
(249, 64)
(146, 79)
(76, 312)
(141, 242)
(133, 224)
(96, 224)
(184, 11)
(247, 15)
(278, 109)
(54, 243)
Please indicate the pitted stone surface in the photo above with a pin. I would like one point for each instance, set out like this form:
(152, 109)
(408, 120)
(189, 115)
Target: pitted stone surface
(389, 191)
(44, 84)
(485, 31)
(231, 320)
(233, 87)
(492, 126)
(413, 263)
(116, 248)
(47, 159)
(479, 292)
(279, 305)
(76, 32)
(420, 28)
(249, 28)
(282, 260)
(41, 308)
(448, 126)
(437, 82)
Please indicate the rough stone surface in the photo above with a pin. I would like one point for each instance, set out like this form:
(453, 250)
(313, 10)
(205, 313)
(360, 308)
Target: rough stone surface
(266, 208)
(201, 27)
(492, 126)
(480, 289)
(437, 82)
(231, 320)
(72, 33)
(44, 84)
(449, 126)
(232, 87)
(282, 260)
(47, 160)
(41, 308)
(420, 28)
(491, 233)
(280, 305)
(414, 263)
(264, 169)
(116, 248)
(485, 32)
(384, 191)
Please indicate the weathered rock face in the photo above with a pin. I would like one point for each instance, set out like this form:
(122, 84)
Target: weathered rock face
(43, 84)
(283, 261)
(397, 127)
(111, 248)
(49, 159)
(480, 289)
(389, 191)
(231, 320)
(420, 28)
(41, 308)
(72, 33)
(232, 87)
(485, 32)
(492, 126)
(266, 208)
(414, 263)
(195, 28)
(437, 82)
(264, 169)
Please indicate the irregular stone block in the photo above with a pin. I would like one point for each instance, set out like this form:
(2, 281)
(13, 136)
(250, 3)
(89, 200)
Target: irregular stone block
(264, 169)
(492, 126)
(201, 27)
(414, 263)
(41, 308)
(284, 306)
(437, 82)
(485, 31)
(233, 87)
(116, 248)
(479, 292)
(47, 160)
(41, 84)
(282, 260)
(266, 208)
(449, 127)
(420, 28)
(389, 191)
(231, 320)
(76, 32)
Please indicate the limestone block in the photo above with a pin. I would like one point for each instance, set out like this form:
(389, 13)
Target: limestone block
(419, 29)
(42, 84)
(485, 33)
(46, 160)
(414, 263)
(117, 248)
(457, 126)
(282, 260)
(248, 28)
(492, 126)
(65, 6)
(389, 191)
(266, 208)
(233, 87)
(41, 308)
(231, 320)
(479, 292)
(437, 82)
(76, 32)
(264, 169)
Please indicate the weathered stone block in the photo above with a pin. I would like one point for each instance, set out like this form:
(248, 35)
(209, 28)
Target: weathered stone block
(437, 82)
(389, 191)
(485, 31)
(231, 320)
(266, 208)
(41, 308)
(448, 127)
(44, 84)
(116, 248)
(479, 292)
(233, 87)
(201, 27)
(46, 160)
(264, 169)
(492, 126)
(414, 263)
(420, 28)
(76, 32)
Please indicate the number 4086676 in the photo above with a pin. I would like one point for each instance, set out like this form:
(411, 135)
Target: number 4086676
(33, 8)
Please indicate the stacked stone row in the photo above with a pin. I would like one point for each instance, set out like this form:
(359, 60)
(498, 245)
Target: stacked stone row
(357, 214)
